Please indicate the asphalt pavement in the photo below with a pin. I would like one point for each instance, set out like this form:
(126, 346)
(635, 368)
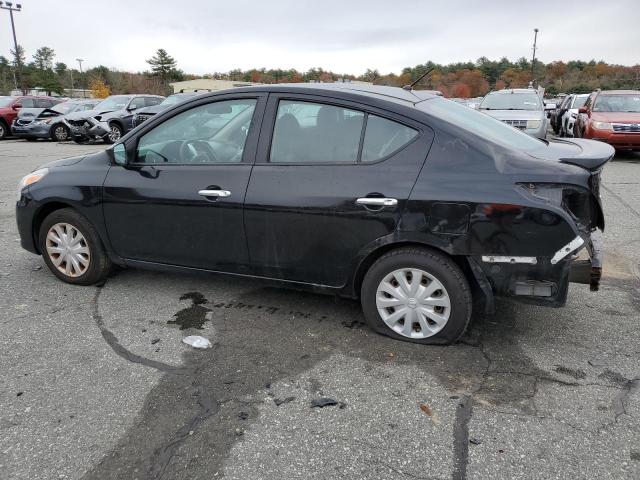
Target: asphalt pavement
(96, 383)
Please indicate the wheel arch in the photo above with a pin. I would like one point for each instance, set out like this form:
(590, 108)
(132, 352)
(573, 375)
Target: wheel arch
(375, 254)
(43, 212)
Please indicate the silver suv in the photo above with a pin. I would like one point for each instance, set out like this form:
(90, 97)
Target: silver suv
(521, 108)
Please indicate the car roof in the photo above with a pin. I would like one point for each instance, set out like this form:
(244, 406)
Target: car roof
(381, 92)
(513, 90)
(620, 92)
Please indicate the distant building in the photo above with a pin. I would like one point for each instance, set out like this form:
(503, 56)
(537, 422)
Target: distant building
(207, 84)
(67, 92)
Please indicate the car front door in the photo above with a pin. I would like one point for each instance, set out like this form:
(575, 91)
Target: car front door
(330, 180)
(179, 201)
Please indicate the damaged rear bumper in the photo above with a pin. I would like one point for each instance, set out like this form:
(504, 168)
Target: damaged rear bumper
(589, 271)
(540, 280)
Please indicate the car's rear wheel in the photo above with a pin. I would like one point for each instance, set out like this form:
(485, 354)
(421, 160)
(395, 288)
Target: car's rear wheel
(72, 249)
(4, 131)
(115, 133)
(60, 133)
(417, 295)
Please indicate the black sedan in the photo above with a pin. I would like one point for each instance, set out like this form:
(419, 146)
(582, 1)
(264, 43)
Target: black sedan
(407, 201)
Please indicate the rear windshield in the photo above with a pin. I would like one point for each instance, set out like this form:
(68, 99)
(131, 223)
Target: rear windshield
(480, 124)
(617, 103)
(511, 101)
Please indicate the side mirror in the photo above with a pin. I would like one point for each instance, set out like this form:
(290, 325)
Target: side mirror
(17, 106)
(582, 110)
(132, 107)
(120, 154)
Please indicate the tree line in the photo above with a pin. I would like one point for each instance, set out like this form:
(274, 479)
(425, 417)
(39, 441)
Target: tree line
(462, 79)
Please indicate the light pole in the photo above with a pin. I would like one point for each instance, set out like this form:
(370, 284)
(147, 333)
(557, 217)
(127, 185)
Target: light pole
(9, 6)
(84, 92)
(533, 60)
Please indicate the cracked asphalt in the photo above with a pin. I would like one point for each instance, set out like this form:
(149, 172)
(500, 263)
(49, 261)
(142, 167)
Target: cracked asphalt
(96, 382)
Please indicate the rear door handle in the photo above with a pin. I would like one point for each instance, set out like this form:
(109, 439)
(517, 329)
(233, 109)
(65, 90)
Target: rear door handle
(377, 202)
(214, 193)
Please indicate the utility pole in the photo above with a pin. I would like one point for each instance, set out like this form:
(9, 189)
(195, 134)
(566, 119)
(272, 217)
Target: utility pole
(533, 60)
(84, 90)
(9, 6)
(72, 89)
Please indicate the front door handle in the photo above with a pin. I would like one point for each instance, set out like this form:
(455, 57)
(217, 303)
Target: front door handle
(214, 193)
(377, 202)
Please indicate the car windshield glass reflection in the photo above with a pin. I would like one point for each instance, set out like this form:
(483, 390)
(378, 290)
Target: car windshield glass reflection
(617, 103)
(113, 103)
(511, 101)
(212, 133)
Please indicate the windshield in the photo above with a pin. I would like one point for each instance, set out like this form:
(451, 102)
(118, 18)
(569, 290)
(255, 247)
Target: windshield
(173, 99)
(579, 101)
(65, 107)
(480, 124)
(617, 103)
(113, 103)
(511, 101)
(6, 101)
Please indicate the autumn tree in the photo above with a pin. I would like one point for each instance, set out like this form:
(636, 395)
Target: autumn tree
(99, 88)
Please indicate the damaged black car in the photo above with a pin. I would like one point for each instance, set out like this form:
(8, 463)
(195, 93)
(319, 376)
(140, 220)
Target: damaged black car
(407, 201)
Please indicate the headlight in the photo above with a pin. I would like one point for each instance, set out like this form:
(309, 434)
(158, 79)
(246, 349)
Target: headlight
(533, 123)
(45, 121)
(33, 177)
(601, 125)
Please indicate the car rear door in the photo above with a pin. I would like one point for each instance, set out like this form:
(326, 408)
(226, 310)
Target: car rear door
(180, 201)
(331, 179)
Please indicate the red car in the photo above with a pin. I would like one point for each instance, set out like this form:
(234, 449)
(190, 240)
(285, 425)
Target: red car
(611, 116)
(9, 107)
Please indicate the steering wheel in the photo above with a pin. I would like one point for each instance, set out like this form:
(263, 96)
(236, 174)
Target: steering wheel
(194, 151)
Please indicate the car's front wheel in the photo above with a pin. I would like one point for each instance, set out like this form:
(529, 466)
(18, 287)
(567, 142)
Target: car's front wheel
(4, 130)
(72, 249)
(60, 133)
(417, 295)
(115, 133)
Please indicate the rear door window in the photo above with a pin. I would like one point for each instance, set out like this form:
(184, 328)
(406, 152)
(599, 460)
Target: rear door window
(27, 103)
(308, 132)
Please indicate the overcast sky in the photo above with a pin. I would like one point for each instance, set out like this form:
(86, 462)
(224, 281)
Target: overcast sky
(346, 36)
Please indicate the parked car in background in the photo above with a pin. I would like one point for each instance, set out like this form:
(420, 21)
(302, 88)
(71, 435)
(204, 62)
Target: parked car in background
(570, 114)
(611, 116)
(34, 123)
(556, 115)
(10, 106)
(111, 118)
(521, 108)
(363, 191)
(146, 113)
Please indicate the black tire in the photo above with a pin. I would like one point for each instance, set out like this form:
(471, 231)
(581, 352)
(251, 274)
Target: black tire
(60, 132)
(434, 263)
(99, 263)
(4, 130)
(114, 126)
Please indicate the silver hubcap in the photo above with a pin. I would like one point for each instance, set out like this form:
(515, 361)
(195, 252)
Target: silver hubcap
(413, 303)
(61, 133)
(115, 134)
(68, 250)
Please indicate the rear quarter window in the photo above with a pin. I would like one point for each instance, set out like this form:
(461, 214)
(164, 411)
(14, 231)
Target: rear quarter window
(384, 137)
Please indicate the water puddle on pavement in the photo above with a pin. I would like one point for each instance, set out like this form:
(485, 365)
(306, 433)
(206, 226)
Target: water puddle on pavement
(193, 316)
